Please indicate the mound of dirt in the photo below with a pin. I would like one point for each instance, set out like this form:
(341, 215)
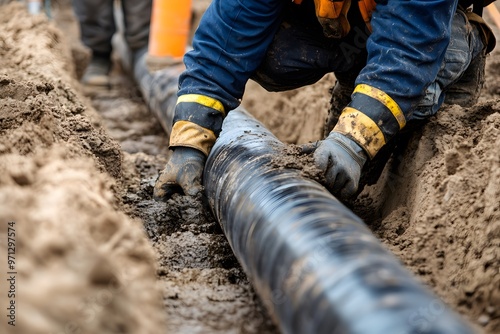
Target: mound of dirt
(80, 264)
(437, 207)
(295, 116)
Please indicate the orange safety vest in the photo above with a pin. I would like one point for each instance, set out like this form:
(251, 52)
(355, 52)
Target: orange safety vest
(332, 14)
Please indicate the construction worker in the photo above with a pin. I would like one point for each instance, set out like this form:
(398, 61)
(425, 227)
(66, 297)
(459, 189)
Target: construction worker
(97, 27)
(395, 62)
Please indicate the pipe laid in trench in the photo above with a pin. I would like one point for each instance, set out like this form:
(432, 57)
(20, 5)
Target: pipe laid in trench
(315, 264)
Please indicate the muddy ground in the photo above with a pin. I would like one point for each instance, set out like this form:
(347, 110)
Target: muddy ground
(96, 254)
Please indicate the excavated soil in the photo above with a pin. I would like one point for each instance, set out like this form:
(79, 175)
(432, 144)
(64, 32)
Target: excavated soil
(96, 254)
(80, 264)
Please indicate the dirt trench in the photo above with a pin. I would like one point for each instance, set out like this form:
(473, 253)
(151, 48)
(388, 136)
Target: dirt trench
(97, 255)
(79, 263)
(187, 279)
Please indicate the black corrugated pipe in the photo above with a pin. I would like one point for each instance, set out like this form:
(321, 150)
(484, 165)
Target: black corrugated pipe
(159, 89)
(315, 264)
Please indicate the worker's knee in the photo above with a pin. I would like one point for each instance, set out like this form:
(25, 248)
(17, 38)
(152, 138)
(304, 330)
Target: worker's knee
(279, 79)
(298, 56)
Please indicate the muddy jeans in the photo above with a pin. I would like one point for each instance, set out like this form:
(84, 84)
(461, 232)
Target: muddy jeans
(300, 55)
(465, 45)
(97, 23)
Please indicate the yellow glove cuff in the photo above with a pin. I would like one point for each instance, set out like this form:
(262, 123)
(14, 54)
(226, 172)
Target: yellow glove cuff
(188, 134)
(362, 129)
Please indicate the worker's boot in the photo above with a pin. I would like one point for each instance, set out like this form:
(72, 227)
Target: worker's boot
(97, 73)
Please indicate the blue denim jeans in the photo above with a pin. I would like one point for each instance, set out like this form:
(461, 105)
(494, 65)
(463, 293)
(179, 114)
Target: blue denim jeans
(465, 45)
(301, 55)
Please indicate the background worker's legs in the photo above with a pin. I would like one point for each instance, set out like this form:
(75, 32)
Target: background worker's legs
(97, 26)
(136, 17)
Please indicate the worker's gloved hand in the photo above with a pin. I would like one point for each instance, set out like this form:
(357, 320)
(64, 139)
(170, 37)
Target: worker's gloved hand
(182, 174)
(341, 159)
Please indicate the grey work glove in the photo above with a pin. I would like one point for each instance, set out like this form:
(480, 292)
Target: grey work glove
(182, 174)
(341, 159)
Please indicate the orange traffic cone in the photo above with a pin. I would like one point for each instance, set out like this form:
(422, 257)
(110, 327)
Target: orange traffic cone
(169, 31)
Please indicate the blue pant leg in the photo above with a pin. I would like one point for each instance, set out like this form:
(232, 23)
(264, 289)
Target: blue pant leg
(465, 45)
